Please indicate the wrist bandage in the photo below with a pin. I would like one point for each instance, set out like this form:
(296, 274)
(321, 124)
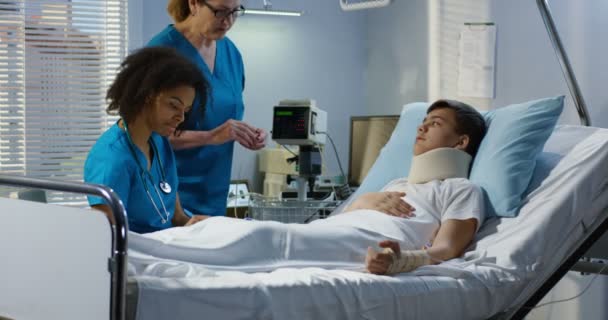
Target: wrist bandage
(407, 261)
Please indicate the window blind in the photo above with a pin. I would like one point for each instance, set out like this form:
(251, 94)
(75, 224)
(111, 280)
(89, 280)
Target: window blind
(57, 59)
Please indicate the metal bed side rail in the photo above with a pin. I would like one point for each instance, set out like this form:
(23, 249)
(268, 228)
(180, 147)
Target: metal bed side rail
(598, 229)
(564, 62)
(118, 261)
(584, 266)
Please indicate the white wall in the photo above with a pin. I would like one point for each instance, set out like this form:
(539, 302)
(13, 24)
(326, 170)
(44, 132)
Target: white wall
(319, 55)
(397, 46)
(136, 24)
(526, 64)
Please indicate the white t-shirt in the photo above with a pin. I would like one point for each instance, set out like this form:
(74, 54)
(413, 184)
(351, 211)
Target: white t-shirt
(455, 198)
(434, 201)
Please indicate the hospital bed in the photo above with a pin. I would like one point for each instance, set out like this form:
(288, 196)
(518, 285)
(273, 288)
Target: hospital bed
(68, 263)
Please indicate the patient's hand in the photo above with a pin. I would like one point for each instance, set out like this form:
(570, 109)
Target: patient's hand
(386, 202)
(392, 260)
(380, 262)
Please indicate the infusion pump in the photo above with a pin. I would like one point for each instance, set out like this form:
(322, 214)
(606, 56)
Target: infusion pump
(298, 122)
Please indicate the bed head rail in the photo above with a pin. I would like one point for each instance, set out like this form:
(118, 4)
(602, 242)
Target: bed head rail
(118, 263)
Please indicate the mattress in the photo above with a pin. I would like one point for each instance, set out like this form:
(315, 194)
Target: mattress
(509, 258)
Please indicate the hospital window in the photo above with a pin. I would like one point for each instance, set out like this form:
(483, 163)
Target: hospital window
(57, 58)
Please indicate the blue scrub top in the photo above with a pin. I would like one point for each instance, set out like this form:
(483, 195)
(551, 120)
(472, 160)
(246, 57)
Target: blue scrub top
(204, 172)
(111, 163)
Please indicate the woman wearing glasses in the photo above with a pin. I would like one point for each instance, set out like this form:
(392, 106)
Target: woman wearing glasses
(153, 94)
(204, 150)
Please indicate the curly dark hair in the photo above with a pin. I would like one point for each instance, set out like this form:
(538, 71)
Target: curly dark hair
(468, 121)
(146, 73)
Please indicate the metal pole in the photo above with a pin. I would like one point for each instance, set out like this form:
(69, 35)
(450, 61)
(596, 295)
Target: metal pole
(575, 91)
(118, 262)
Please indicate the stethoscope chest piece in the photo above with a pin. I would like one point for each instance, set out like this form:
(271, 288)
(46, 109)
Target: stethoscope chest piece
(165, 187)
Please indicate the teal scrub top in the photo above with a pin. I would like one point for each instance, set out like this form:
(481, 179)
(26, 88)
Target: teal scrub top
(111, 163)
(204, 172)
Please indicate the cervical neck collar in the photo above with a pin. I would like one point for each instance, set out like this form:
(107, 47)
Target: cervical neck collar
(439, 164)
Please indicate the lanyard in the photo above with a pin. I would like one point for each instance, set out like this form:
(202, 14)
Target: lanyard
(145, 176)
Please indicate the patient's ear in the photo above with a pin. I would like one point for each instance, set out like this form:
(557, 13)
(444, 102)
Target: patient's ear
(463, 142)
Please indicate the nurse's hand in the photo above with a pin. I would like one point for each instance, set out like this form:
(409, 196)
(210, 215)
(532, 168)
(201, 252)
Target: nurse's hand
(260, 139)
(239, 131)
(196, 218)
(390, 203)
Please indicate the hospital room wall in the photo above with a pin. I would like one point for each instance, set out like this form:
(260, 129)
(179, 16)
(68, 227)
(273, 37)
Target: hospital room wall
(527, 67)
(407, 40)
(318, 56)
(397, 46)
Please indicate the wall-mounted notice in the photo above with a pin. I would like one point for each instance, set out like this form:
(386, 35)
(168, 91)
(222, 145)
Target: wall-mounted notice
(476, 62)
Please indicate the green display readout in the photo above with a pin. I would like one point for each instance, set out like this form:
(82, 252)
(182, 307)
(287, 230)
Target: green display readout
(284, 113)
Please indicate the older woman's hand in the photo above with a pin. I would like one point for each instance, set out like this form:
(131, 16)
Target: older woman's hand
(390, 203)
(196, 218)
(246, 135)
(260, 139)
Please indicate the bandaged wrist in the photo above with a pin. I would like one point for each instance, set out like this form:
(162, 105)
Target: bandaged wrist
(407, 261)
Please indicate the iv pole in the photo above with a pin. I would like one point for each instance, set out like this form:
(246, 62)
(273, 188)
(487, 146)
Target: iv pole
(564, 63)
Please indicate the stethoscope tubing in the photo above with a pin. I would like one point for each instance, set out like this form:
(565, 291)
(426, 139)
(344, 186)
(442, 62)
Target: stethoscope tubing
(146, 174)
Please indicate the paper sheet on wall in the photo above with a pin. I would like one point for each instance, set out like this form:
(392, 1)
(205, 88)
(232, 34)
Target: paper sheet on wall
(476, 63)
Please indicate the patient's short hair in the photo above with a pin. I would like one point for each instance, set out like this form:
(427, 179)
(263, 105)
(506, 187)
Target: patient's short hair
(468, 121)
(146, 73)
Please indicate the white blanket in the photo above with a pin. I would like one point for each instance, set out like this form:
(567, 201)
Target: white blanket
(221, 243)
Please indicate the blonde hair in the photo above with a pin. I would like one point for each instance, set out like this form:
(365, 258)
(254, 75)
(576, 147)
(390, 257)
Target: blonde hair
(179, 10)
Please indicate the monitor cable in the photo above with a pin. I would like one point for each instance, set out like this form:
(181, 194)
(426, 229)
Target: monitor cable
(344, 191)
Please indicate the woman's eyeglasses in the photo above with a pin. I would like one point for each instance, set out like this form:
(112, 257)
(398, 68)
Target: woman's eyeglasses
(223, 14)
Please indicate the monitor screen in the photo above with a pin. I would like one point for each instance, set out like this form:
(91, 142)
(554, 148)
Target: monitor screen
(367, 137)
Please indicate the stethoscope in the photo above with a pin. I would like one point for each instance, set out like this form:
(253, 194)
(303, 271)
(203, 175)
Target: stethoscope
(145, 175)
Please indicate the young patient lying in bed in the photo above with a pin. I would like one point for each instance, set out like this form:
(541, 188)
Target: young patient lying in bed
(428, 217)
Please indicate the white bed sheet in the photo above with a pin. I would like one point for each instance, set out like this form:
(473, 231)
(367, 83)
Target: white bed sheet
(511, 255)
